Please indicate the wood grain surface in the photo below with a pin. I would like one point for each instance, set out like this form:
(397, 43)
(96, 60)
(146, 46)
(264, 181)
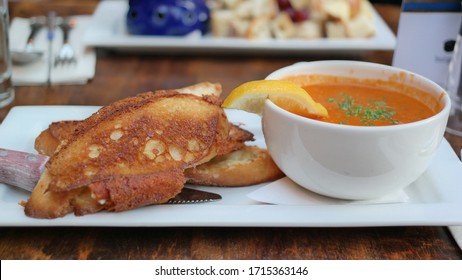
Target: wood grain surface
(122, 75)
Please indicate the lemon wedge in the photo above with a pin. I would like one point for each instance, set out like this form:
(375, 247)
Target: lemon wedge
(251, 97)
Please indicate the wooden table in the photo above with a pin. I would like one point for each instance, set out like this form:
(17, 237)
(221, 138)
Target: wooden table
(118, 76)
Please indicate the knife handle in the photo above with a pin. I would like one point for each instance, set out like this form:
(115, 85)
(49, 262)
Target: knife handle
(21, 169)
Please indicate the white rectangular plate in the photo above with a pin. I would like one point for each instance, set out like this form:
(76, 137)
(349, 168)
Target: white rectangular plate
(434, 199)
(108, 30)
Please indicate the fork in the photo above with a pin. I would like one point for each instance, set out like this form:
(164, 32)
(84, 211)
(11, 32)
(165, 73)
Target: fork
(66, 54)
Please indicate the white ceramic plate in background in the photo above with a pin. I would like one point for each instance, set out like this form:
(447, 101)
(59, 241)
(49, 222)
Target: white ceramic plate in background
(108, 30)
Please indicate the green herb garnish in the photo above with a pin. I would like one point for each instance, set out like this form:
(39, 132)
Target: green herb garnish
(376, 110)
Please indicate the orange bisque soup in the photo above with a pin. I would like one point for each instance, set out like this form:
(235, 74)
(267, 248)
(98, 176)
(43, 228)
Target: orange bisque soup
(368, 102)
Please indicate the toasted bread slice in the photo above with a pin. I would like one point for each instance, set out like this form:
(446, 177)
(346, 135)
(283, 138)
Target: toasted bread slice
(57, 132)
(220, 20)
(247, 166)
(360, 27)
(130, 154)
(309, 29)
(282, 26)
(259, 28)
(335, 30)
(202, 89)
(165, 126)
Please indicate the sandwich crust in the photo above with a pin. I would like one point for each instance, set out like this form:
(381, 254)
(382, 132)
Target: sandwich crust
(130, 154)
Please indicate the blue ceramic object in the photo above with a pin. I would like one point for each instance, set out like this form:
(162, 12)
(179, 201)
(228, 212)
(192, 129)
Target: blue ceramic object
(167, 17)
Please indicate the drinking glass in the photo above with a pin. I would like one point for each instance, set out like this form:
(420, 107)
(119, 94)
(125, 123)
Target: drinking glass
(6, 86)
(454, 88)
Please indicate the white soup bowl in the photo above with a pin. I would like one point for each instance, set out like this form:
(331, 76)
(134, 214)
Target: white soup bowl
(353, 162)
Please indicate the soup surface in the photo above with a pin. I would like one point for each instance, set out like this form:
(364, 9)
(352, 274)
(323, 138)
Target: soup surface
(366, 105)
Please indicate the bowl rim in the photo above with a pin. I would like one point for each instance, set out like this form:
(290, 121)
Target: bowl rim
(445, 100)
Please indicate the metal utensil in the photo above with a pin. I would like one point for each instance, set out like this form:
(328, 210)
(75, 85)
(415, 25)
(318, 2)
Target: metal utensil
(66, 55)
(51, 26)
(29, 54)
(189, 196)
(23, 170)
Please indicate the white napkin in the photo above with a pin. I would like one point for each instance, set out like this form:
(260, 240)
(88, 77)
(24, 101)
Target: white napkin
(36, 73)
(286, 192)
(456, 231)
